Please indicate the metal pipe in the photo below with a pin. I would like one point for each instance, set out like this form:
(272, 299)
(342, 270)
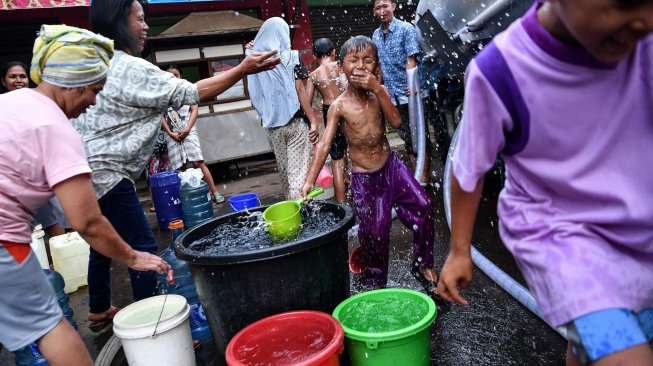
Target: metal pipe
(512, 287)
(478, 22)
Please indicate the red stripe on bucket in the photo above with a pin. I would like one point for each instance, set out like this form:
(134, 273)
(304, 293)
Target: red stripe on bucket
(296, 338)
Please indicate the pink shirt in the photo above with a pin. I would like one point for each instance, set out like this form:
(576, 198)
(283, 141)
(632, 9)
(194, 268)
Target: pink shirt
(38, 149)
(576, 136)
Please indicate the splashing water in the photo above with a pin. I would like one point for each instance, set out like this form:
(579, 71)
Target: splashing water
(387, 314)
(246, 233)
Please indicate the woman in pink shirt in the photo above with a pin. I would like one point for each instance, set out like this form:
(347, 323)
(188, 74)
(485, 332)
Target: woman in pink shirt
(41, 154)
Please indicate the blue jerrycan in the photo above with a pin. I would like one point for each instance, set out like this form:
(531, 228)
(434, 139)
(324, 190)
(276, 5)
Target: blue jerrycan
(183, 285)
(196, 203)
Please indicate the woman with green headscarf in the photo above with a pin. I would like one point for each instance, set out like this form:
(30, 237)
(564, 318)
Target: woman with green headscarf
(41, 154)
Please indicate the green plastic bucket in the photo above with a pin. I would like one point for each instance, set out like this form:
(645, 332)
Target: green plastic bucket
(387, 327)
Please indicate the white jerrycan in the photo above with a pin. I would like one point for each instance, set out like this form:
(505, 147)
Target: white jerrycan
(70, 258)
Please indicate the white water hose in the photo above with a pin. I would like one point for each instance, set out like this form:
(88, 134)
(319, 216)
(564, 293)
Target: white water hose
(416, 117)
(512, 287)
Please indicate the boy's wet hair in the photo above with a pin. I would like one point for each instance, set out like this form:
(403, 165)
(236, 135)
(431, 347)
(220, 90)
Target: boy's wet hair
(322, 47)
(355, 44)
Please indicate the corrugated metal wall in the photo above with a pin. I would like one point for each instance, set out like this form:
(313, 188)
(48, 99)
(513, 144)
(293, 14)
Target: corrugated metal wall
(339, 23)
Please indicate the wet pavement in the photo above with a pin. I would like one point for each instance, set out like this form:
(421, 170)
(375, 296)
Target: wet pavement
(493, 330)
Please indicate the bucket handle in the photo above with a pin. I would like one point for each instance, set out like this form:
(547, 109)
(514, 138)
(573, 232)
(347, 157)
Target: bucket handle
(161, 313)
(372, 344)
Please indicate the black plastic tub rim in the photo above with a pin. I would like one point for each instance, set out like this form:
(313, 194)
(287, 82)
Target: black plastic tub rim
(343, 211)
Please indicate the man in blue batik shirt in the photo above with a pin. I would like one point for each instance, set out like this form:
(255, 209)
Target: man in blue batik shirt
(398, 47)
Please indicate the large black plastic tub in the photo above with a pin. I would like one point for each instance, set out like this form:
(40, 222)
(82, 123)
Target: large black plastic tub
(237, 290)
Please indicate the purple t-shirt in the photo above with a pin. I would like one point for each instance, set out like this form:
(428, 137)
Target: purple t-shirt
(576, 136)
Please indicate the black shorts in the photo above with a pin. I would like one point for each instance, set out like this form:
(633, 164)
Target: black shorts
(339, 144)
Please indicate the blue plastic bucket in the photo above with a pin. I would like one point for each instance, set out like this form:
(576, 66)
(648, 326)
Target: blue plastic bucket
(165, 195)
(243, 202)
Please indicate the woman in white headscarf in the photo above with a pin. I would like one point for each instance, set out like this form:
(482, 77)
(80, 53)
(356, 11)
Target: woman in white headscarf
(42, 155)
(283, 105)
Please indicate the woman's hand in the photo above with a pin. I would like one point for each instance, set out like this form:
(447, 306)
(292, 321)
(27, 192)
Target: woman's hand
(182, 134)
(259, 61)
(175, 136)
(143, 261)
(313, 131)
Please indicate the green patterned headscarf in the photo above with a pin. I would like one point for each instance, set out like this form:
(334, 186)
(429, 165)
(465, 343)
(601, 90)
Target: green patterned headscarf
(69, 56)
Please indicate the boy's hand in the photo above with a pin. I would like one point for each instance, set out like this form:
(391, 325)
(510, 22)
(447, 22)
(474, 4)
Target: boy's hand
(308, 187)
(456, 274)
(365, 80)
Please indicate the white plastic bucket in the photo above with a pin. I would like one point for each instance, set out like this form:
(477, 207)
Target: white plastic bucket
(171, 345)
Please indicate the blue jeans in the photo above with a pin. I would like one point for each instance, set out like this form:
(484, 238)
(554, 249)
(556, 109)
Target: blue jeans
(123, 210)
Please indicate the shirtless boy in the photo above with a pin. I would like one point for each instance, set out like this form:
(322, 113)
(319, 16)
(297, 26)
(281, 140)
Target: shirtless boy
(379, 179)
(330, 83)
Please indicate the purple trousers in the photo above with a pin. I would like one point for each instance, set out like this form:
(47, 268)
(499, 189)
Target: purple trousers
(374, 194)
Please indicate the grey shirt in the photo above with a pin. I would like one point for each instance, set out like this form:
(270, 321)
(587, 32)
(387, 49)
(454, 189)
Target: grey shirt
(120, 130)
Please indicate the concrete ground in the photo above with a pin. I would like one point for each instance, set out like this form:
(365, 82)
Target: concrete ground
(493, 330)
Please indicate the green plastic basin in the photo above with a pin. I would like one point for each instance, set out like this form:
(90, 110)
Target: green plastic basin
(387, 327)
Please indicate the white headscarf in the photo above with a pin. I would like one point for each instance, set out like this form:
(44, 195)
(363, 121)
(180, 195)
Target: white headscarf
(273, 92)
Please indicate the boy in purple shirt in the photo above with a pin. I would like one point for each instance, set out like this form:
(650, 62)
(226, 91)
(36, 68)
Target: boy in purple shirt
(565, 95)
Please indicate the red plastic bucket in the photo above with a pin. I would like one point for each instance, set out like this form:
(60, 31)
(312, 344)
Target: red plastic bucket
(356, 261)
(296, 338)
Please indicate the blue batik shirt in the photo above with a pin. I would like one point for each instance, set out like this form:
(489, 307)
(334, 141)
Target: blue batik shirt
(394, 48)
